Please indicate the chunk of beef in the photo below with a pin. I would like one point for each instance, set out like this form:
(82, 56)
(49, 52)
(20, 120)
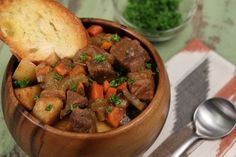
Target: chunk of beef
(51, 82)
(74, 100)
(67, 62)
(101, 71)
(142, 84)
(83, 120)
(91, 51)
(53, 93)
(130, 54)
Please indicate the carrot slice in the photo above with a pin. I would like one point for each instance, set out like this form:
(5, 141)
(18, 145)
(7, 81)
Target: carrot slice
(122, 87)
(106, 45)
(111, 91)
(106, 85)
(62, 69)
(78, 69)
(96, 91)
(94, 30)
(115, 116)
(80, 89)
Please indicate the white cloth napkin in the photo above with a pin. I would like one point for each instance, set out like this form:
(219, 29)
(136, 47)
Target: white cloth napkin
(198, 73)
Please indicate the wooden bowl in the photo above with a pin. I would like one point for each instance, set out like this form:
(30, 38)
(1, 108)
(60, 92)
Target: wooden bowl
(40, 140)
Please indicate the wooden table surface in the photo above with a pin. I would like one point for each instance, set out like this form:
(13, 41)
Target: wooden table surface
(214, 24)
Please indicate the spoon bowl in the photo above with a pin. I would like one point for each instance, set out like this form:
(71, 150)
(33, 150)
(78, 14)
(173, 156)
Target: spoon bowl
(213, 119)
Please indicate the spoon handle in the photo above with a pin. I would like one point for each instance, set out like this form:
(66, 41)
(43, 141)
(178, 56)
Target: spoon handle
(172, 143)
(193, 138)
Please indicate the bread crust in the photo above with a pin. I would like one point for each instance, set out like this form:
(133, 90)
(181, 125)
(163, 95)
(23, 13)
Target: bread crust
(73, 22)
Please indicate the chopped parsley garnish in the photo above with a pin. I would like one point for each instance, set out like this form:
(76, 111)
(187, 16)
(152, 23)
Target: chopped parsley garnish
(115, 37)
(83, 57)
(73, 87)
(109, 109)
(118, 81)
(36, 97)
(73, 106)
(131, 81)
(22, 83)
(58, 77)
(99, 58)
(153, 14)
(114, 99)
(148, 65)
(48, 107)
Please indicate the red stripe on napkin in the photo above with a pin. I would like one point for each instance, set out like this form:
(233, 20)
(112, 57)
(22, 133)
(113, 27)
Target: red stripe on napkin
(226, 144)
(196, 45)
(228, 92)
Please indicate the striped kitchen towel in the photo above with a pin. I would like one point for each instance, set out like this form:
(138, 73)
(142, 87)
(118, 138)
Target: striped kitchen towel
(196, 74)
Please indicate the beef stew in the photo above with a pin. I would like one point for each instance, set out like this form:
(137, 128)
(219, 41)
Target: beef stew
(104, 86)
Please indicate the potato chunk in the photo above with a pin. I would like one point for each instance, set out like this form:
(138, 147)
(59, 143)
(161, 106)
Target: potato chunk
(102, 126)
(64, 124)
(25, 71)
(47, 109)
(26, 95)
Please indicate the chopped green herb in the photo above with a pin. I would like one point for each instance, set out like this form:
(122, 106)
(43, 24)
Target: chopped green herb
(99, 58)
(58, 77)
(109, 109)
(83, 57)
(48, 107)
(115, 37)
(131, 81)
(114, 99)
(73, 106)
(22, 83)
(73, 86)
(148, 65)
(36, 97)
(153, 14)
(53, 65)
(118, 81)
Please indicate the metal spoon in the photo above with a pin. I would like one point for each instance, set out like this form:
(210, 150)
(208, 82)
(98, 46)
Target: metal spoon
(213, 119)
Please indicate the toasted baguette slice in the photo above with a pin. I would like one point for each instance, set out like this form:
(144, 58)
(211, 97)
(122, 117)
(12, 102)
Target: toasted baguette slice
(35, 29)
